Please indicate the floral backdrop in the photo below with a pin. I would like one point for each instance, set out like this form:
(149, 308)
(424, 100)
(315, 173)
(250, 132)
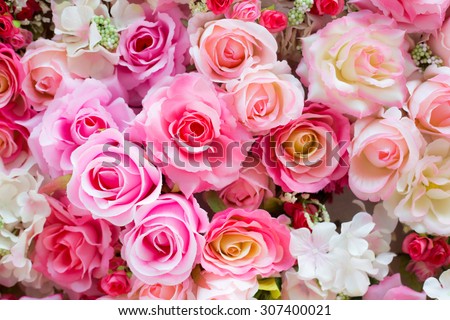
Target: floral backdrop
(211, 149)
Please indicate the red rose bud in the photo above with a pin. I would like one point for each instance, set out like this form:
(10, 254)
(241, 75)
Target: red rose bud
(439, 255)
(115, 284)
(7, 28)
(28, 12)
(4, 8)
(218, 6)
(273, 20)
(418, 247)
(330, 7)
(297, 212)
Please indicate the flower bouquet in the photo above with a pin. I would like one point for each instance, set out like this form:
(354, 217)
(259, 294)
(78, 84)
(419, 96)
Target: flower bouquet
(212, 149)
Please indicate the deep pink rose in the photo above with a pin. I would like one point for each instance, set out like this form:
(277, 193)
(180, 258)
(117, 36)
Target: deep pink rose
(7, 28)
(249, 191)
(13, 142)
(245, 244)
(391, 288)
(421, 269)
(218, 6)
(330, 7)
(411, 15)
(191, 134)
(45, 66)
(245, 10)
(21, 39)
(150, 50)
(308, 153)
(273, 20)
(163, 244)
(80, 110)
(440, 253)
(418, 247)
(223, 49)
(112, 177)
(366, 61)
(115, 284)
(429, 103)
(11, 75)
(73, 251)
(383, 148)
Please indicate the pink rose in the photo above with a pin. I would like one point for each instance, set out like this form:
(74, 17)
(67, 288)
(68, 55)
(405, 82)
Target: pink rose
(13, 142)
(249, 191)
(11, 75)
(77, 112)
(418, 247)
(411, 15)
(273, 20)
(266, 97)
(245, 10)
(45, 66)
(150, 50)
(214, 287)
(391, 288)
(421, 269)
(309, 152)
(218, 6)
(190, 133)
(244, 244)
(74, 252)
(428, 104)
(21, 39)
(180, 291)
(440, 42)
(383, 148)
(223, 49)
(440, 253)
(115, 284)
(330, 7)
(367, 62)
(112, 177)
(164, 243)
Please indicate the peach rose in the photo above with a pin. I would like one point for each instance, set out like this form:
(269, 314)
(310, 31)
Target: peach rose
(383, 148)
(266, 97)
(356, 64)
(222, 49)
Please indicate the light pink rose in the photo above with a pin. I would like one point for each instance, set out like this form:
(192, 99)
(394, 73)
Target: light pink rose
(164, 244)
(366, 62)
(82, 109)
(429, 104)
(440, 42)
(45, 66)
(308, 153)
(74, 252)
(294, 288)
(391, 288)
(11, 75)
(180, 291)
(152, 49)
(266, 97)
(191, 134)
(112, 177)
(245, 10)
(211, 286)
(244, 244)
(249, 191)
(223, 49)
(383, 149)
(411, 15)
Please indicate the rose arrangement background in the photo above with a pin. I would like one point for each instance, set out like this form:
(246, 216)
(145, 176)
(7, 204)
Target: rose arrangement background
(210, 149)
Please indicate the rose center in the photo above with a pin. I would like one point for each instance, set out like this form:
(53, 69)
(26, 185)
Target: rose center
(302, 144)
(143, 43)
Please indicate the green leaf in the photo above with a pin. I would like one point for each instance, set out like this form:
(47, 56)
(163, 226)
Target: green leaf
(214, 202)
